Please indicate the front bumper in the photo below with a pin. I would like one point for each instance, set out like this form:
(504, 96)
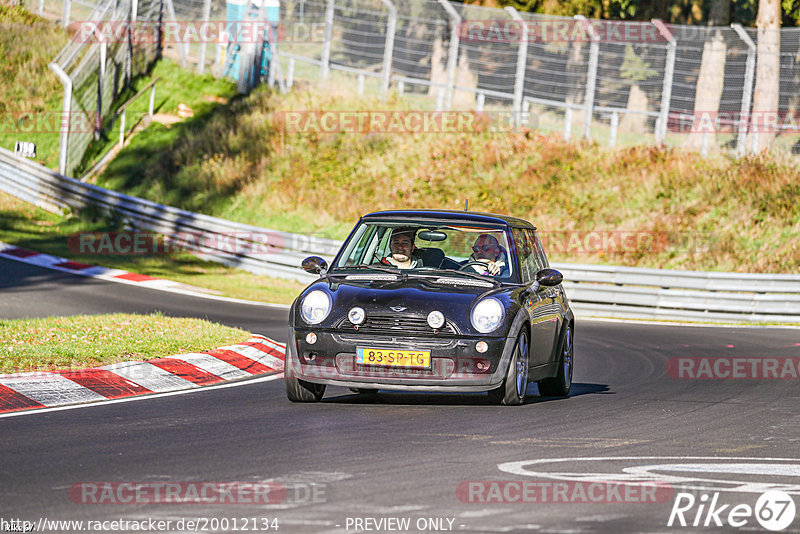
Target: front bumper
(456, 365)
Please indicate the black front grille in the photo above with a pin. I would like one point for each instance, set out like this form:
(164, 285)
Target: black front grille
(396, 324)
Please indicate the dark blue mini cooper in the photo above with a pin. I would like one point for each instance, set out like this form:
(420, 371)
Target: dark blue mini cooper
(424, 300)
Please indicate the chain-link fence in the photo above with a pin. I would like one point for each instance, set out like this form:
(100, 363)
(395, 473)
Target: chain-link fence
(94, 69)
(614, 82)
(611, 81)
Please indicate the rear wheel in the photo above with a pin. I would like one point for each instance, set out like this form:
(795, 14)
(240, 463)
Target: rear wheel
(560, 385)
(512, 392)
(302, 391)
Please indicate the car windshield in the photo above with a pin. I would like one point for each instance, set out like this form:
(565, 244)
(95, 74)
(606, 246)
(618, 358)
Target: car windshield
(417, 247)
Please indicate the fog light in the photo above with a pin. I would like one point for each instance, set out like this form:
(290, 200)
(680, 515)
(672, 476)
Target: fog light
(435, 320)
(311, 338)
(356, 315)
(309, 357)
(482, 365)
(481, 347)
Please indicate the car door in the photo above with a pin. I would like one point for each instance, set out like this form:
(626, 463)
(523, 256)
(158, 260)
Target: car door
(538, 306)
(553, 305)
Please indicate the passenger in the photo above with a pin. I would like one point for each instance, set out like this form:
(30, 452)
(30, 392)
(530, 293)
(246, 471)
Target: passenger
(487, 250)
(401, 246)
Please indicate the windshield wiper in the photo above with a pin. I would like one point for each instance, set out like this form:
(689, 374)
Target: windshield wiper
(391, 270)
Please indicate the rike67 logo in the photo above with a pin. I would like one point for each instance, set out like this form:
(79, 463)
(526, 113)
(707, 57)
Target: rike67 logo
(774, 510)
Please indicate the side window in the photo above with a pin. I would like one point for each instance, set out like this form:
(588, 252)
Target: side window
(526, 254)
(538, 251)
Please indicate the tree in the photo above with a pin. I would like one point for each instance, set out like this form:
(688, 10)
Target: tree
(712, 74)
(765, 96)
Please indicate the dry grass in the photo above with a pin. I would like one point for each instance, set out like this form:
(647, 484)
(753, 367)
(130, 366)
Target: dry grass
(712, 214)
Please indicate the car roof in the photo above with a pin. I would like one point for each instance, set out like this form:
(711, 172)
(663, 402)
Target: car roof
(450, 215)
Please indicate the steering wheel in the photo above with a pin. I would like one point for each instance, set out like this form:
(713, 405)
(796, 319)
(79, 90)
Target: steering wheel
(474, 262)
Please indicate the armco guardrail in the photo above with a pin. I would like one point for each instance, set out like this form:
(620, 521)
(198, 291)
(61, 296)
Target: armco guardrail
(593, 289)
(256, 249)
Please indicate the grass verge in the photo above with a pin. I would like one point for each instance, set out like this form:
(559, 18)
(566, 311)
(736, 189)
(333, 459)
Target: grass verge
(27, 226)
(688, 212)
(83, 341)
(30, 94)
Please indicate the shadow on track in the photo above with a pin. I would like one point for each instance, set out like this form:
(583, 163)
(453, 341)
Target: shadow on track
(390, 397)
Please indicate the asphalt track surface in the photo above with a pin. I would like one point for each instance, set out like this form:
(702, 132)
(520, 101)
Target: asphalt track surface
(404, 456)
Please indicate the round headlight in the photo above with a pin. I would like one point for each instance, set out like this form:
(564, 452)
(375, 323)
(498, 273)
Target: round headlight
(315, 307)
(435, 320)
(487, 315)
(356, 315)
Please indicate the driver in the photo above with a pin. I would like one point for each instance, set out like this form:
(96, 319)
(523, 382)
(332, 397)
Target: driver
(487, 250)
(402, 249)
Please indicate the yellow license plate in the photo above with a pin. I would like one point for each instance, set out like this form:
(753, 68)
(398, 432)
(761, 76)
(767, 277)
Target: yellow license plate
(393, 358)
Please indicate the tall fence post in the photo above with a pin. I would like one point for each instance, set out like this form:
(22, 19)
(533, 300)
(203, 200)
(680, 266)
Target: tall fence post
(325, 59)
(181, 49)
(388, 47)
(522, 59)
(747, 91)
(63, 144)
(101, 76)
(452, 56)
(666, 87)
(201, 57)
(65, 14)
(591, 76)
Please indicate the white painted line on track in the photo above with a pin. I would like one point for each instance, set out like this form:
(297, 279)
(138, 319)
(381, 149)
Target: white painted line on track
(142, 397)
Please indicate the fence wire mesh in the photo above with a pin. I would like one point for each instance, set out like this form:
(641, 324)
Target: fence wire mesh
(614, 82)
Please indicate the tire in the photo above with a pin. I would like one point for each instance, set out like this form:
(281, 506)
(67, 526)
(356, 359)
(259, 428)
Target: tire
(302, 391)
(560, 385)
(512, 392)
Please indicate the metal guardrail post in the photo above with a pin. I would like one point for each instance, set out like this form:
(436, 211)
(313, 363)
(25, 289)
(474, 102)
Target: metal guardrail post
(122, 129)
(201, 61)
(666, 88)
(747, 92)
(63, 143)
(452, 56)
(325, 58)
(522, 59)
(567, 124)
(591, 76)
(388, 47)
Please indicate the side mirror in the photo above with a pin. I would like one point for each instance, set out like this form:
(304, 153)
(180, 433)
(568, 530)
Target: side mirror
(314, 265)
(549, 277)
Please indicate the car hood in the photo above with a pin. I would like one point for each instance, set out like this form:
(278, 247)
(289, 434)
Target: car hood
(412, 297)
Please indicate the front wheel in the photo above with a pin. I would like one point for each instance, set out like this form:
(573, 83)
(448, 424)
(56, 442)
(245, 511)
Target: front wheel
(301, 391)
(512, 392)
(560, 385)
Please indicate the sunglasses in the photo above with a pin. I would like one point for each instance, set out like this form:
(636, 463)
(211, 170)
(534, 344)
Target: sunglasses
(485, 248)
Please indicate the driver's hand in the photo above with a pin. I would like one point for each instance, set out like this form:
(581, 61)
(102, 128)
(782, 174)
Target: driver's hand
(492, 267)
